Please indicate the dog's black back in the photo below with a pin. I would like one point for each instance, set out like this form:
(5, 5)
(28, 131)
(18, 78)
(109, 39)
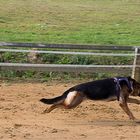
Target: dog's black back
(94, 90)
(97, 90)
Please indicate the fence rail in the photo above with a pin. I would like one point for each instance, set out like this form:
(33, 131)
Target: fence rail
(67, 68)
(121, 69)
(68, 46)
(68, 52)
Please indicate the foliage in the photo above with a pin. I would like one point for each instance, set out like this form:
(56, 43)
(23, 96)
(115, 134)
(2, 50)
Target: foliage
(60, 59)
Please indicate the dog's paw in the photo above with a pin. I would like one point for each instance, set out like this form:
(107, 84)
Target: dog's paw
(132, 118)
(45, 111)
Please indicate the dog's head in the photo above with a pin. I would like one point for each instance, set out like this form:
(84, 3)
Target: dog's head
(136, 87)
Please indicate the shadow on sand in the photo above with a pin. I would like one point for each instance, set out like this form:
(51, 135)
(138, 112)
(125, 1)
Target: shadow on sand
(106, 122)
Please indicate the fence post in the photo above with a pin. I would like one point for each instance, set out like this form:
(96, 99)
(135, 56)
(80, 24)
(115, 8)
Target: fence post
(136, 70)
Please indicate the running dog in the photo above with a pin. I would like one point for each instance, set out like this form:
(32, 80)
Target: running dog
(118, 88)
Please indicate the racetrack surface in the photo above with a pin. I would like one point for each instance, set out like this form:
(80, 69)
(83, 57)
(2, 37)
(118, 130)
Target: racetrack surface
(21, 116)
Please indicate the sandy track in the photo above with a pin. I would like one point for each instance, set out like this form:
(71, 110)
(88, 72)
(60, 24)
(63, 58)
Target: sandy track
(21, 118)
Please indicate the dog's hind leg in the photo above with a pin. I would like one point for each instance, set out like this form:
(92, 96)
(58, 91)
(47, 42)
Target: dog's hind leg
(52, 107)
(73, 99)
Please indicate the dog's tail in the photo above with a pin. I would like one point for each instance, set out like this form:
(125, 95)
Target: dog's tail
(55, 100)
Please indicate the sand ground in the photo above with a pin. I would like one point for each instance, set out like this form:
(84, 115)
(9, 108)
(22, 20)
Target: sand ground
(21, 116)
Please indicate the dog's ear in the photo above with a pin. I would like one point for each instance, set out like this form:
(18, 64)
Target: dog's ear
(132, 80)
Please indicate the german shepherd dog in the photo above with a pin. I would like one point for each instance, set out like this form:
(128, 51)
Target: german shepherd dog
(118, 88)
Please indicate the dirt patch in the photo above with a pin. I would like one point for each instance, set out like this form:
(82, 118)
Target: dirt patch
(21, 116)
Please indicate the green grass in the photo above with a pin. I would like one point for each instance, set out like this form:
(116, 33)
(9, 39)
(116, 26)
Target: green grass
(66, 21)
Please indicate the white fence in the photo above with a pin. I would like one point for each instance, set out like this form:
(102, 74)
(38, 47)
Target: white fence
(70, 49)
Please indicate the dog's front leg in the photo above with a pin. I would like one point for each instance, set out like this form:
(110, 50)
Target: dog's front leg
(124, 106)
